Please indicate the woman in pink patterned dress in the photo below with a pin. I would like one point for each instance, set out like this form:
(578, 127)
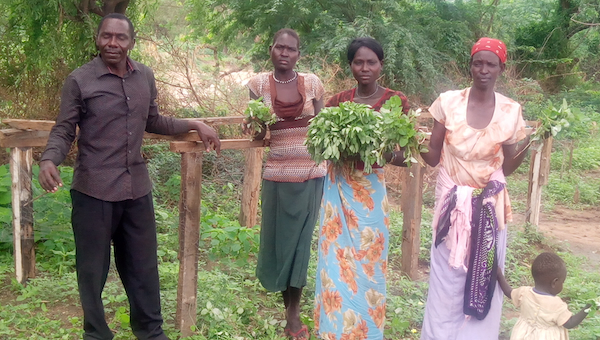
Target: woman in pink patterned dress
(475, 141)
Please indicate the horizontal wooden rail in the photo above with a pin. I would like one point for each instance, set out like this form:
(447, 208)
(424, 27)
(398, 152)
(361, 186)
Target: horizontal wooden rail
(15, 138)
(46, 125)
(226, 144)
(34, 133)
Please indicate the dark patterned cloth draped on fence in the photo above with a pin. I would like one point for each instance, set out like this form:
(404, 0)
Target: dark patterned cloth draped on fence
(350, 297)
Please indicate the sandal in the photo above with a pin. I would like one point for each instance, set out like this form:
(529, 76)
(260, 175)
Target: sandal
(301, 334)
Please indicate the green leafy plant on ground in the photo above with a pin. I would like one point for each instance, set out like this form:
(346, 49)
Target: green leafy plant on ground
(227, 239)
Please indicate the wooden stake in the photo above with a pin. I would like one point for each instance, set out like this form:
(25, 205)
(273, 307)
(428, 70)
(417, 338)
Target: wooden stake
(189, 237)
(532, 208)
(251, 188)
(21, 161)
(545, 161)
(412, 202)
(538, 177)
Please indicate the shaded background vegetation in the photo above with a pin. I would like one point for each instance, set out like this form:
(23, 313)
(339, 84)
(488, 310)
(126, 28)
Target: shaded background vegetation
(427, 42)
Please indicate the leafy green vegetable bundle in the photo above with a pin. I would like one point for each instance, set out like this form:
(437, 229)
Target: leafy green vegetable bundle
(258, 116)
(553, 120)
(353, 132)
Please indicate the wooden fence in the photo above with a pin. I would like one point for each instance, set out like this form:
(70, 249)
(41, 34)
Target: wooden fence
(26, 134)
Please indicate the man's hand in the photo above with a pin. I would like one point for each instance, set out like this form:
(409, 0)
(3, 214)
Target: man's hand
(49, 177)
(208, 136)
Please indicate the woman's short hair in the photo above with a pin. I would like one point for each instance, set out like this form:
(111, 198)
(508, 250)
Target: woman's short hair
(546, 266)
(287, 31)
(367, 42)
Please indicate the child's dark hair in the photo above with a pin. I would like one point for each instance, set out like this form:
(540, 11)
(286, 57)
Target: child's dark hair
(546, 266)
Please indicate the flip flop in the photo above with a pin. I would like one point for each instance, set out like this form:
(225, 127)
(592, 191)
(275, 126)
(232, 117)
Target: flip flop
(301, 334)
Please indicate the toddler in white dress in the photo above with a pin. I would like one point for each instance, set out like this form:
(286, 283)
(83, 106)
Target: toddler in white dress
(544, 316)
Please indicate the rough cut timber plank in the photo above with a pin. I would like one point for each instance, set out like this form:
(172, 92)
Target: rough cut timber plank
(226, 144)
(21, 161)
(15, 138)
(534, 192)
(188, 136)
(189, 238)
(29, 124)
(545, 161)
(46, 125)
(251, 186)
(412, 202)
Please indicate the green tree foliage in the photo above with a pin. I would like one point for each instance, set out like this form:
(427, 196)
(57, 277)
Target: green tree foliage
(42, 41)
(422, 39)
(427, 42)
(547, 46)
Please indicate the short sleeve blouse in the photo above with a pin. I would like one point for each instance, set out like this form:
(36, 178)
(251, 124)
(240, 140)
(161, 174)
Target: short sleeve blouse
(471, 155)
(288, 159)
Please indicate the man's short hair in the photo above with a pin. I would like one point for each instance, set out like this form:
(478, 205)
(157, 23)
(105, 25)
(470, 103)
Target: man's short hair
(120, 17)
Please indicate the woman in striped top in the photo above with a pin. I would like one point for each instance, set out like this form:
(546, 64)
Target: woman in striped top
(292, 183)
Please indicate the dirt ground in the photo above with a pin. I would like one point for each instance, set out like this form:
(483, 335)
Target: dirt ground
(575, 230)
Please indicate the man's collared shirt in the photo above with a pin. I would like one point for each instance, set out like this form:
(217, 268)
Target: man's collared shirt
(112, 114)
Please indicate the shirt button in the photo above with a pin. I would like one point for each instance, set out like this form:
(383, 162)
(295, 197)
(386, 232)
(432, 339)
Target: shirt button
(127, 98)
(128, 151)
(131, 133)
(123, 80)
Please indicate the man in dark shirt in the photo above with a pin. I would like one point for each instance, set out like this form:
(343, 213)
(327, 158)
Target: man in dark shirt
(112, 100)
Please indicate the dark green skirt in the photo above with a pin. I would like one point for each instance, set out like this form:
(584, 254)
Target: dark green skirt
(289, 216)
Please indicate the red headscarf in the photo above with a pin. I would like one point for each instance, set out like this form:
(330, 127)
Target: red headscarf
(493, 45)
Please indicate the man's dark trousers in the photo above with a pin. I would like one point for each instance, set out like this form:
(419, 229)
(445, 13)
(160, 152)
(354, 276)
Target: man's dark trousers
(131, 226)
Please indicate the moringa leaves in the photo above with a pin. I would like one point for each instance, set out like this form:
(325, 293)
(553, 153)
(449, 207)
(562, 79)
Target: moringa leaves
(354, 131)
(553, 120)
(399, 129)
(258, 115)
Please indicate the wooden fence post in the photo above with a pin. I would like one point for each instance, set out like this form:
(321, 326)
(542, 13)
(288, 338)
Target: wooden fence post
(189, 238)
(21, 161)
(539, 171)
(412, 202)
(251, 186)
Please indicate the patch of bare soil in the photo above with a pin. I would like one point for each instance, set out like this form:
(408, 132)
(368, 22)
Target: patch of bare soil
(576, 230)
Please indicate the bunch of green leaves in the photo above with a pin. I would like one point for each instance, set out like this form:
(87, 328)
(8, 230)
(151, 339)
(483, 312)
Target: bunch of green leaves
(354, 131)
(553, 120)
(258, 115)
(347, 132)
(594, 306)
(399, 130)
